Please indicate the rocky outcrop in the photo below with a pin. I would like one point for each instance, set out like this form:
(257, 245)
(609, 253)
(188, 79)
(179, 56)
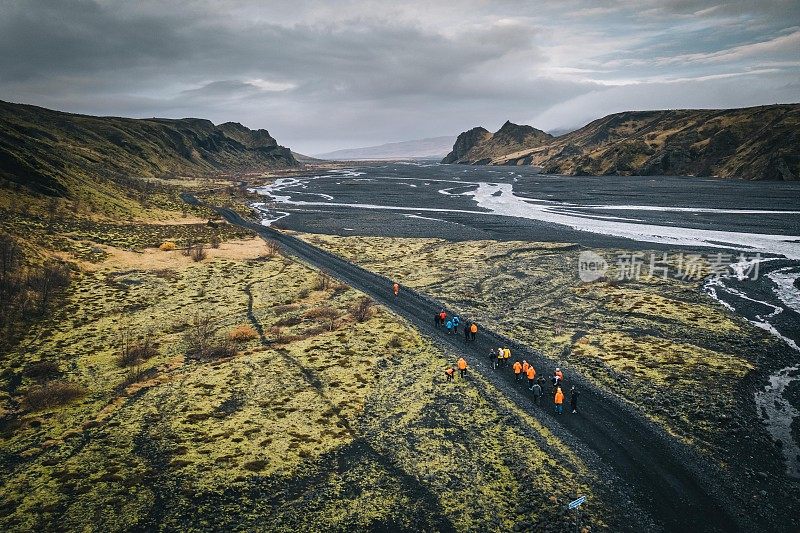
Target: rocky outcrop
(756, 143)
(466, 142)
(480, 147)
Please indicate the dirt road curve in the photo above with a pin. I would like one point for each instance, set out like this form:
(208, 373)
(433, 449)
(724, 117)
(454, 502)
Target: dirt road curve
(664, 478)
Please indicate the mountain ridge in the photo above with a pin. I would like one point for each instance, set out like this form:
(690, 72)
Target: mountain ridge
(755, 143)
(54, 153)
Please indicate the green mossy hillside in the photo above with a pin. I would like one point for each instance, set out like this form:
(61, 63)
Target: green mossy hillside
(318, 424)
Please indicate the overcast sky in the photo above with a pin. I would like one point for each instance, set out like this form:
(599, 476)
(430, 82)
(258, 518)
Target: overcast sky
(326, 75)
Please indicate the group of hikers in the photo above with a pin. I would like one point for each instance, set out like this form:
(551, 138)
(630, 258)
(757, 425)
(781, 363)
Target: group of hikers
(451, 324)
(500, 358)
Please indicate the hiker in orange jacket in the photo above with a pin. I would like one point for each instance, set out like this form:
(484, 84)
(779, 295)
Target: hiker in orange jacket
(531, 373)
(396, 288)
(517, 371)
(473, 331)
(559, 401)
(449, 372)
(462, 367)
(525, 366)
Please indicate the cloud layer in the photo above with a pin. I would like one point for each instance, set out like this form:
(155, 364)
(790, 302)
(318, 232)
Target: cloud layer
(328, 75)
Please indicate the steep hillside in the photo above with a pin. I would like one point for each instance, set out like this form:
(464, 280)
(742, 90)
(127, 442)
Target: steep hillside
(76, 156)
(757, 143)
(479, 146)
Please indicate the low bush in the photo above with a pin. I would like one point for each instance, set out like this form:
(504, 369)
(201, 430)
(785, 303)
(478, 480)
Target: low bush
(324, 281)
(288, 321)
(51, 394)
(134, 349)
(221, 349)
(242, 333)
(203, 342)
(277, 334)
(167, 246)
(283, 309)
(198, 253)
(310, 332)
(395, 342)
(273, 248)
(326, 315)
(362, 310)
(42, 370)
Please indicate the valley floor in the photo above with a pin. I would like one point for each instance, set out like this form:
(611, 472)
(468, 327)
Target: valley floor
(325, 422)
(295, 409)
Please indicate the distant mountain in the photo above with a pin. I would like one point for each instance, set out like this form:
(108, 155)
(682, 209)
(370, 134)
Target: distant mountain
(755, 143)
(58, 154)
(304, 158)
(430, 148)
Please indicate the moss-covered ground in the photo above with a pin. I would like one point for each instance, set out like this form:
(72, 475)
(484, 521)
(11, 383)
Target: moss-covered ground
(322, 422)
(660, 344)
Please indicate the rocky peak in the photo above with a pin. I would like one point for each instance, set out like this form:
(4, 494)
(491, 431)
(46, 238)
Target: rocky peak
(465, 142)
(519, 133)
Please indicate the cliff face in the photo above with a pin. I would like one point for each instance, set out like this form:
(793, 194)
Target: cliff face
(758, 143)
(48, 151)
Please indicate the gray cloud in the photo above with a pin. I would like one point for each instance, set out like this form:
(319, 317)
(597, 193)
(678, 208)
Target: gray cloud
(322, 76)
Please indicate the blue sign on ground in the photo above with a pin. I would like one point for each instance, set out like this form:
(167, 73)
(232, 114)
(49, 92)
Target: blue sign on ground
(576, 503)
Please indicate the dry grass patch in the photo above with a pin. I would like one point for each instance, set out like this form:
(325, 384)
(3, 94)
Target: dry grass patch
(51, 394)
(242, 333)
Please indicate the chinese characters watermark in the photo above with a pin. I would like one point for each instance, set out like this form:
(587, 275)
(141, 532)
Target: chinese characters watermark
(593, 266)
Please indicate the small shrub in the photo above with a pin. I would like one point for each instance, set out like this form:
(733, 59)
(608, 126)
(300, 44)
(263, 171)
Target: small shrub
(310, 332)
(242, 333)
(324, 281)
(326, 315)
(134, 375)
(199, 335)
(395, 341)
(362, 310)
(198, 253)
(273, 248)
(283, 309)
(187, 251)
(277, 334)
(215, 241)
(134, 349)
(52, 394)
(288, 321)
(338, 289)
(221, 349)
(42, 370)
(167, 246)
(203, 343)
